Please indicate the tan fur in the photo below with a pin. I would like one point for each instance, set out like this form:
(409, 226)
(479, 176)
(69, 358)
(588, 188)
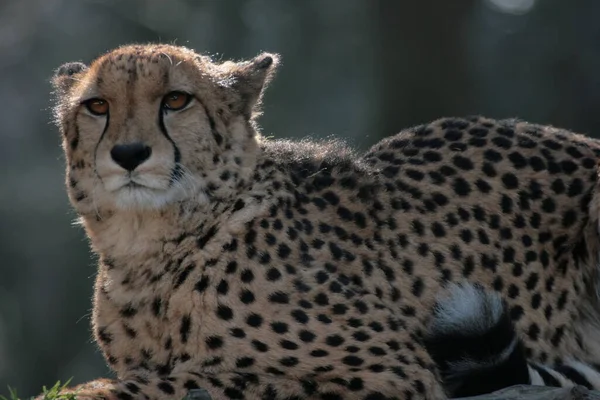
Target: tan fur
(196, 275)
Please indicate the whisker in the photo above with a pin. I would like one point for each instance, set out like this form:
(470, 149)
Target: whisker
(168, 57)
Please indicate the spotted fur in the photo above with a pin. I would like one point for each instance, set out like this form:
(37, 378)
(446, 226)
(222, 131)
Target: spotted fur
(273, 269)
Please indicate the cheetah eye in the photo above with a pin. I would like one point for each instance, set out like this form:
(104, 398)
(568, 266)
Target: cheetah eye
(176, 101)
(97, 106)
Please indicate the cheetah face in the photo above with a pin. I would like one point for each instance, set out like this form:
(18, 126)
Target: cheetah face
(148, 126)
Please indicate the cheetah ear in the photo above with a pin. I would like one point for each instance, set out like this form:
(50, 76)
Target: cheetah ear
(250, 78)
(66, 75)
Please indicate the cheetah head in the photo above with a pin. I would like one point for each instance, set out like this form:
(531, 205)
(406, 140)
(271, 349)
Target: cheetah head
(148, 126)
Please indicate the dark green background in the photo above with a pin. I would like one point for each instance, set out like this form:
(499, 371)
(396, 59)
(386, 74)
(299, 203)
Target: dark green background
(357, 69)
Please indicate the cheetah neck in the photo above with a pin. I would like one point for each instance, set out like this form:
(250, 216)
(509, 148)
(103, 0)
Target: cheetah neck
(132, 237)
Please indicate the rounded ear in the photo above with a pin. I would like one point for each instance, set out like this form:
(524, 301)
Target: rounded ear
(250, 78)
(66, 75)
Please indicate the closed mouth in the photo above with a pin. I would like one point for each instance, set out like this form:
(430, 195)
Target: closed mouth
(134, 185)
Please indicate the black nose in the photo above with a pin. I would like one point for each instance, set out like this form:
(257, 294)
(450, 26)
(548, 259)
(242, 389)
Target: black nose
(129, 156)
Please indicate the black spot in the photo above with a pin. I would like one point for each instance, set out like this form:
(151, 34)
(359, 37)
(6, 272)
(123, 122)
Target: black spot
(536, 301)
(569, 218)
(331, 198)
(438, 229)
(562, 300)
(244, 362)
(508, 255)
(166, 387)
(463, 163)
(513, 291)
(353, 361)
(468, 267)
(414, 174)
(104, 336)
(306, 336)
(238, 205)
(289, 361)
(273, 274)
(418, 227)
(264, 258)
(533, 332)
(466, 236)
(132, 387)
(344, 213)
(128, 311)
(279, 327)
(517, 160)
(548, 205)
(238, 333)
(156, 306)
(461, 187)
(568, 166)
(588, 163)
(250, 236)
(537, 163)
(489, 170)
(300, 316)
(184, 329)
(279, 298)
(447, 170)
(506, 204)
(417, 287)
(254, 320)
(202, 284)
(231, 267)
(214, 342)
(432, 156)
(321, 299)
(231, 246)
(339, 309)
(558, 336)
(288, 345)
(360, 220)
(575, 188)
(516, 312)
(492, 155)
(361, 336)
(80, 196)
(483, 186)
(224, 312)
(223, 287)
(510, 181)
(209, 235)
(322, 181)
(247, 276)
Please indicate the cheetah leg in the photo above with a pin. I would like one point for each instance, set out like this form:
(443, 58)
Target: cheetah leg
(225, 386)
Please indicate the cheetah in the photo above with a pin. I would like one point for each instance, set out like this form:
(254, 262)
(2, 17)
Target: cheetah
(273, 269)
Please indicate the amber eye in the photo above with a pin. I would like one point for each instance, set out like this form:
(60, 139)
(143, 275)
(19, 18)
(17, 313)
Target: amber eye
(176, 101)
(97, 106)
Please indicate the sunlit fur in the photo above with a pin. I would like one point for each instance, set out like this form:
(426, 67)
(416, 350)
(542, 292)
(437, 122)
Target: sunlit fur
(134, 89)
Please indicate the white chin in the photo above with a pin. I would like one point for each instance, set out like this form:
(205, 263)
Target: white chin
(138, 197)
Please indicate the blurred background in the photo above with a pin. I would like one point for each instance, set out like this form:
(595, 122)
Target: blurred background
(357, 69)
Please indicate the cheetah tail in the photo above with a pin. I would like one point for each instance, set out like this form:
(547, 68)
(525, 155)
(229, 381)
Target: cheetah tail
(475, 346)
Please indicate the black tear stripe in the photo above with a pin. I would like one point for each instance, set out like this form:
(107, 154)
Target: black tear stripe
(213, 126)
(177, 171)
(99, 140)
